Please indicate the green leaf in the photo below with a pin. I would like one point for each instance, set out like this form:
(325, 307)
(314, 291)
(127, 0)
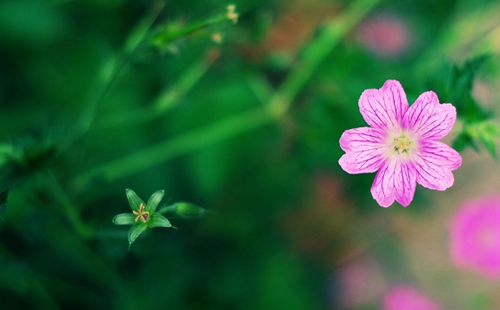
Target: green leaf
(134, 200)
(1, 219)
(454, 85)
(158, 220)
(135, 231)
(124, 219)
(460, 89)
(154, 200)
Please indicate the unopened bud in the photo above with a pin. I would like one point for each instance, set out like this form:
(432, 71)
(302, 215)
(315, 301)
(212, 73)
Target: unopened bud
(188, 210)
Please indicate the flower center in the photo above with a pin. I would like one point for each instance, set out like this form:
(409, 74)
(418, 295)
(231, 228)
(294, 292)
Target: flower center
(141, 214)
(401, 144)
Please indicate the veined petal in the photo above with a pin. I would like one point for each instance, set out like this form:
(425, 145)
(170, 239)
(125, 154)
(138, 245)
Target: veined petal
(363, 148)
(158, 220)
(384, 107)
(124, 219)
(428, 118)
(433, 164)
(154, 200)
(134, 200)
(394, 181)
(134, 232)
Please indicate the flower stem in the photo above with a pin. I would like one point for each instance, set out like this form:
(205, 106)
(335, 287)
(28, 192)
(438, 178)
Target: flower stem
(316, 52)
(113, 67)
(149, 157)
(279, 104)
(167, 99)
(68, 208)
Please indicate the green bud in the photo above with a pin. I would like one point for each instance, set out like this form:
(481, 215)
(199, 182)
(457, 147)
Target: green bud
(188, 210)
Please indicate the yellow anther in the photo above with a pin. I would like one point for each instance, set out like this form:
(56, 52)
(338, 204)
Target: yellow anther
(141, 214)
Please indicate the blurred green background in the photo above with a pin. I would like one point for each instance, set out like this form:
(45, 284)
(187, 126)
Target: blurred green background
(247, 128)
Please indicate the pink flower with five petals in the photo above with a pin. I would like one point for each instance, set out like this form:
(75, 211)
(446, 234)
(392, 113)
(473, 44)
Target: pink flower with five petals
(402, 144)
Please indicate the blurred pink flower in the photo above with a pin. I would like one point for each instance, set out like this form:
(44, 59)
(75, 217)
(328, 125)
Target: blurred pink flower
(475, 236)
(360, 282)
(407, 298)
(402, 144)
(385, 36)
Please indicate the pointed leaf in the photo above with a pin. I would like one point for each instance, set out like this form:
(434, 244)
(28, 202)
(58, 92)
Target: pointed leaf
(135, 231)
(124, 219)
(489, 142)
(154, 200)
(158, 220)
(134, 200)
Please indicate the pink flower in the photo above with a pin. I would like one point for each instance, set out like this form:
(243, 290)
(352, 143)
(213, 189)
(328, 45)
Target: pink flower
(386, 35)
(475, 236)
(402, 144)
(407, 298)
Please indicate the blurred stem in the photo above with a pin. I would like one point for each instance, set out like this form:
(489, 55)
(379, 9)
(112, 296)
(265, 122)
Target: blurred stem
(167, 99)
(139, 37)
(113, 67)
(167, 209)
(163, 38)
(149, 157)
(316, 51)
(68, 208)
(279, 103)
(455, 42)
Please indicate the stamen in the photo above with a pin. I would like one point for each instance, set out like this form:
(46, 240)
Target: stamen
(141, 214)
(402, 144)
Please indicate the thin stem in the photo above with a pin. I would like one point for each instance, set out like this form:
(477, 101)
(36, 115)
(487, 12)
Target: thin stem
(167, 99)
(68, 208)
(279, 104)
(114, 66)
(316, 52)
(182, 144)
(167, 209)
(163, 39)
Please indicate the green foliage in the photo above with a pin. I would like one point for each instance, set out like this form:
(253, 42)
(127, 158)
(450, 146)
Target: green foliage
(459, 90)
(456, 87)
(98, 96)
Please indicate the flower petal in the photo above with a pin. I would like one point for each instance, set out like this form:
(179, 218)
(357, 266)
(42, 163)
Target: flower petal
(134, 200)
(134, 232)
(384, 107)
(428, 118)
(158, 220)
(433, 164)
(154, 200)
(124, 219)
(394, 181)
(363, 150)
